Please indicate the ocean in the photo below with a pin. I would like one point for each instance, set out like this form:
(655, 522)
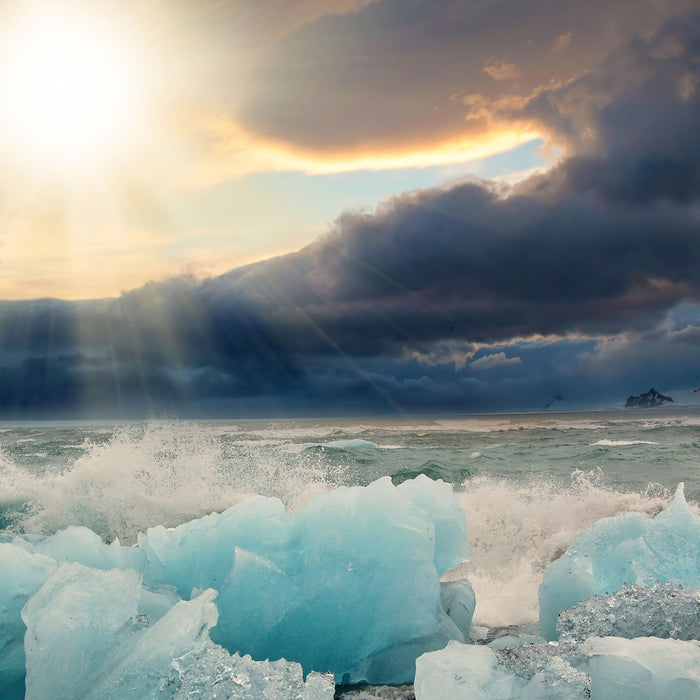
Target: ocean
(528, 483)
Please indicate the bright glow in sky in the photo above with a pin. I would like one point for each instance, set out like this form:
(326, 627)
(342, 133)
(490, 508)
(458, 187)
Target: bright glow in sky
(70, 87)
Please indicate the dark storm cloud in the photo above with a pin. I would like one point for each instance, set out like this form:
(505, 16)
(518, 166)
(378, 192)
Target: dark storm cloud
(578, 273)
(402, 72)
(632, 122)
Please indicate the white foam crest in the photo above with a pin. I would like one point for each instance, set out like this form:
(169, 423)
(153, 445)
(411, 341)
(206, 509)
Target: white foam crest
(622, 443)
(354, 444)
(518, 422)
(161, 473)
(517, 528)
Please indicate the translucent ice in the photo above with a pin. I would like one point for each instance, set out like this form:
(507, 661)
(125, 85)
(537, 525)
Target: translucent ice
(471, 672)
(628, 548)
(607, 668)
(437, 499)
(23, 574)
(643, 669)
(200, 553)
(349, 584)
(85, 639)
(357, 575)
(458, 602)
(72, 622)
(663, 610)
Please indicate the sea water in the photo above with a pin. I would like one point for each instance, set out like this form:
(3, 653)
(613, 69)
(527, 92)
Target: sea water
(528, 484)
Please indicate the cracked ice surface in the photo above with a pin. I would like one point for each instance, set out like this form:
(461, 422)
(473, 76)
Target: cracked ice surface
(663, 610)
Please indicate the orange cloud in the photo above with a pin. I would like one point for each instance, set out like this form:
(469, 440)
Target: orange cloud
(562, 42)
(229, 151)
(502, 70)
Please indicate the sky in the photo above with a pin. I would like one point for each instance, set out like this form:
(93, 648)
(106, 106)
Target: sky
(300, 207)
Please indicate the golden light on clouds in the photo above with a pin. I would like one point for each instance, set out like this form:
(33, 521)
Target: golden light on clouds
(228, 151)
(71, 85)
(112, 114)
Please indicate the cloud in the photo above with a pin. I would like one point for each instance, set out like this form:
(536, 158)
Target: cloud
(562, 42)
(587, 274)
(498, 359)
(502, 70)
(383, 79)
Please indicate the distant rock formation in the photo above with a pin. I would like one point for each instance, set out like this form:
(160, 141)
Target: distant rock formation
(651, 399)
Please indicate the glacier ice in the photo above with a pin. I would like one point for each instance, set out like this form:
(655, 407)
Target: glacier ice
(609, 668)
(664, 610)
(459, 602)
(23, 573)
(296, 586)
(627, 548)
(349, 584)
(356, 561)
(645, 668)
(200, 553)
(474, 672)
(86, 639)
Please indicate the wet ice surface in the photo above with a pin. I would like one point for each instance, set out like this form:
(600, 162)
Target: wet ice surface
(87, 638)
(628, 548)
(622, 584)
(350, 584)
(663, 610)
(528, 671)
(607, 668)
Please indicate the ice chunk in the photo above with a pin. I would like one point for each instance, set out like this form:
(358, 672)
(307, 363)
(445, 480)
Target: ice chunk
(472, 672)
(85, 639)
(628, 548)
(459, 602)
(200, 553)
(72, 623)
(437, 499)
(461, 671)
(663, 610)
(608, 668)
(643, 669)
(349, 584)
(82, 545)
(358, 578)
(555, 670)
(23, 574)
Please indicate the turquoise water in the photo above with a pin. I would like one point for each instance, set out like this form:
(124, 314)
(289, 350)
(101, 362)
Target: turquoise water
(528, 483)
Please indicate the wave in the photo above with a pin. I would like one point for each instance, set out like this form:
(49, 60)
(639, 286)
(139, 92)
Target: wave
(169, 473)
(517, 528)
(356, 444)
(622, 443)
(434, 470)
(158, 473)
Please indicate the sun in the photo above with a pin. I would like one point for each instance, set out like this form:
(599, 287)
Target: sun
(70, 88)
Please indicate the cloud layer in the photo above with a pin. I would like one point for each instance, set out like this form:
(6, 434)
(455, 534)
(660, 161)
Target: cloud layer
(581, 282)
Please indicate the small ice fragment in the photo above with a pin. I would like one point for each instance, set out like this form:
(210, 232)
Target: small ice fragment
(646, 668)
(609, 668)
(459, 602)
